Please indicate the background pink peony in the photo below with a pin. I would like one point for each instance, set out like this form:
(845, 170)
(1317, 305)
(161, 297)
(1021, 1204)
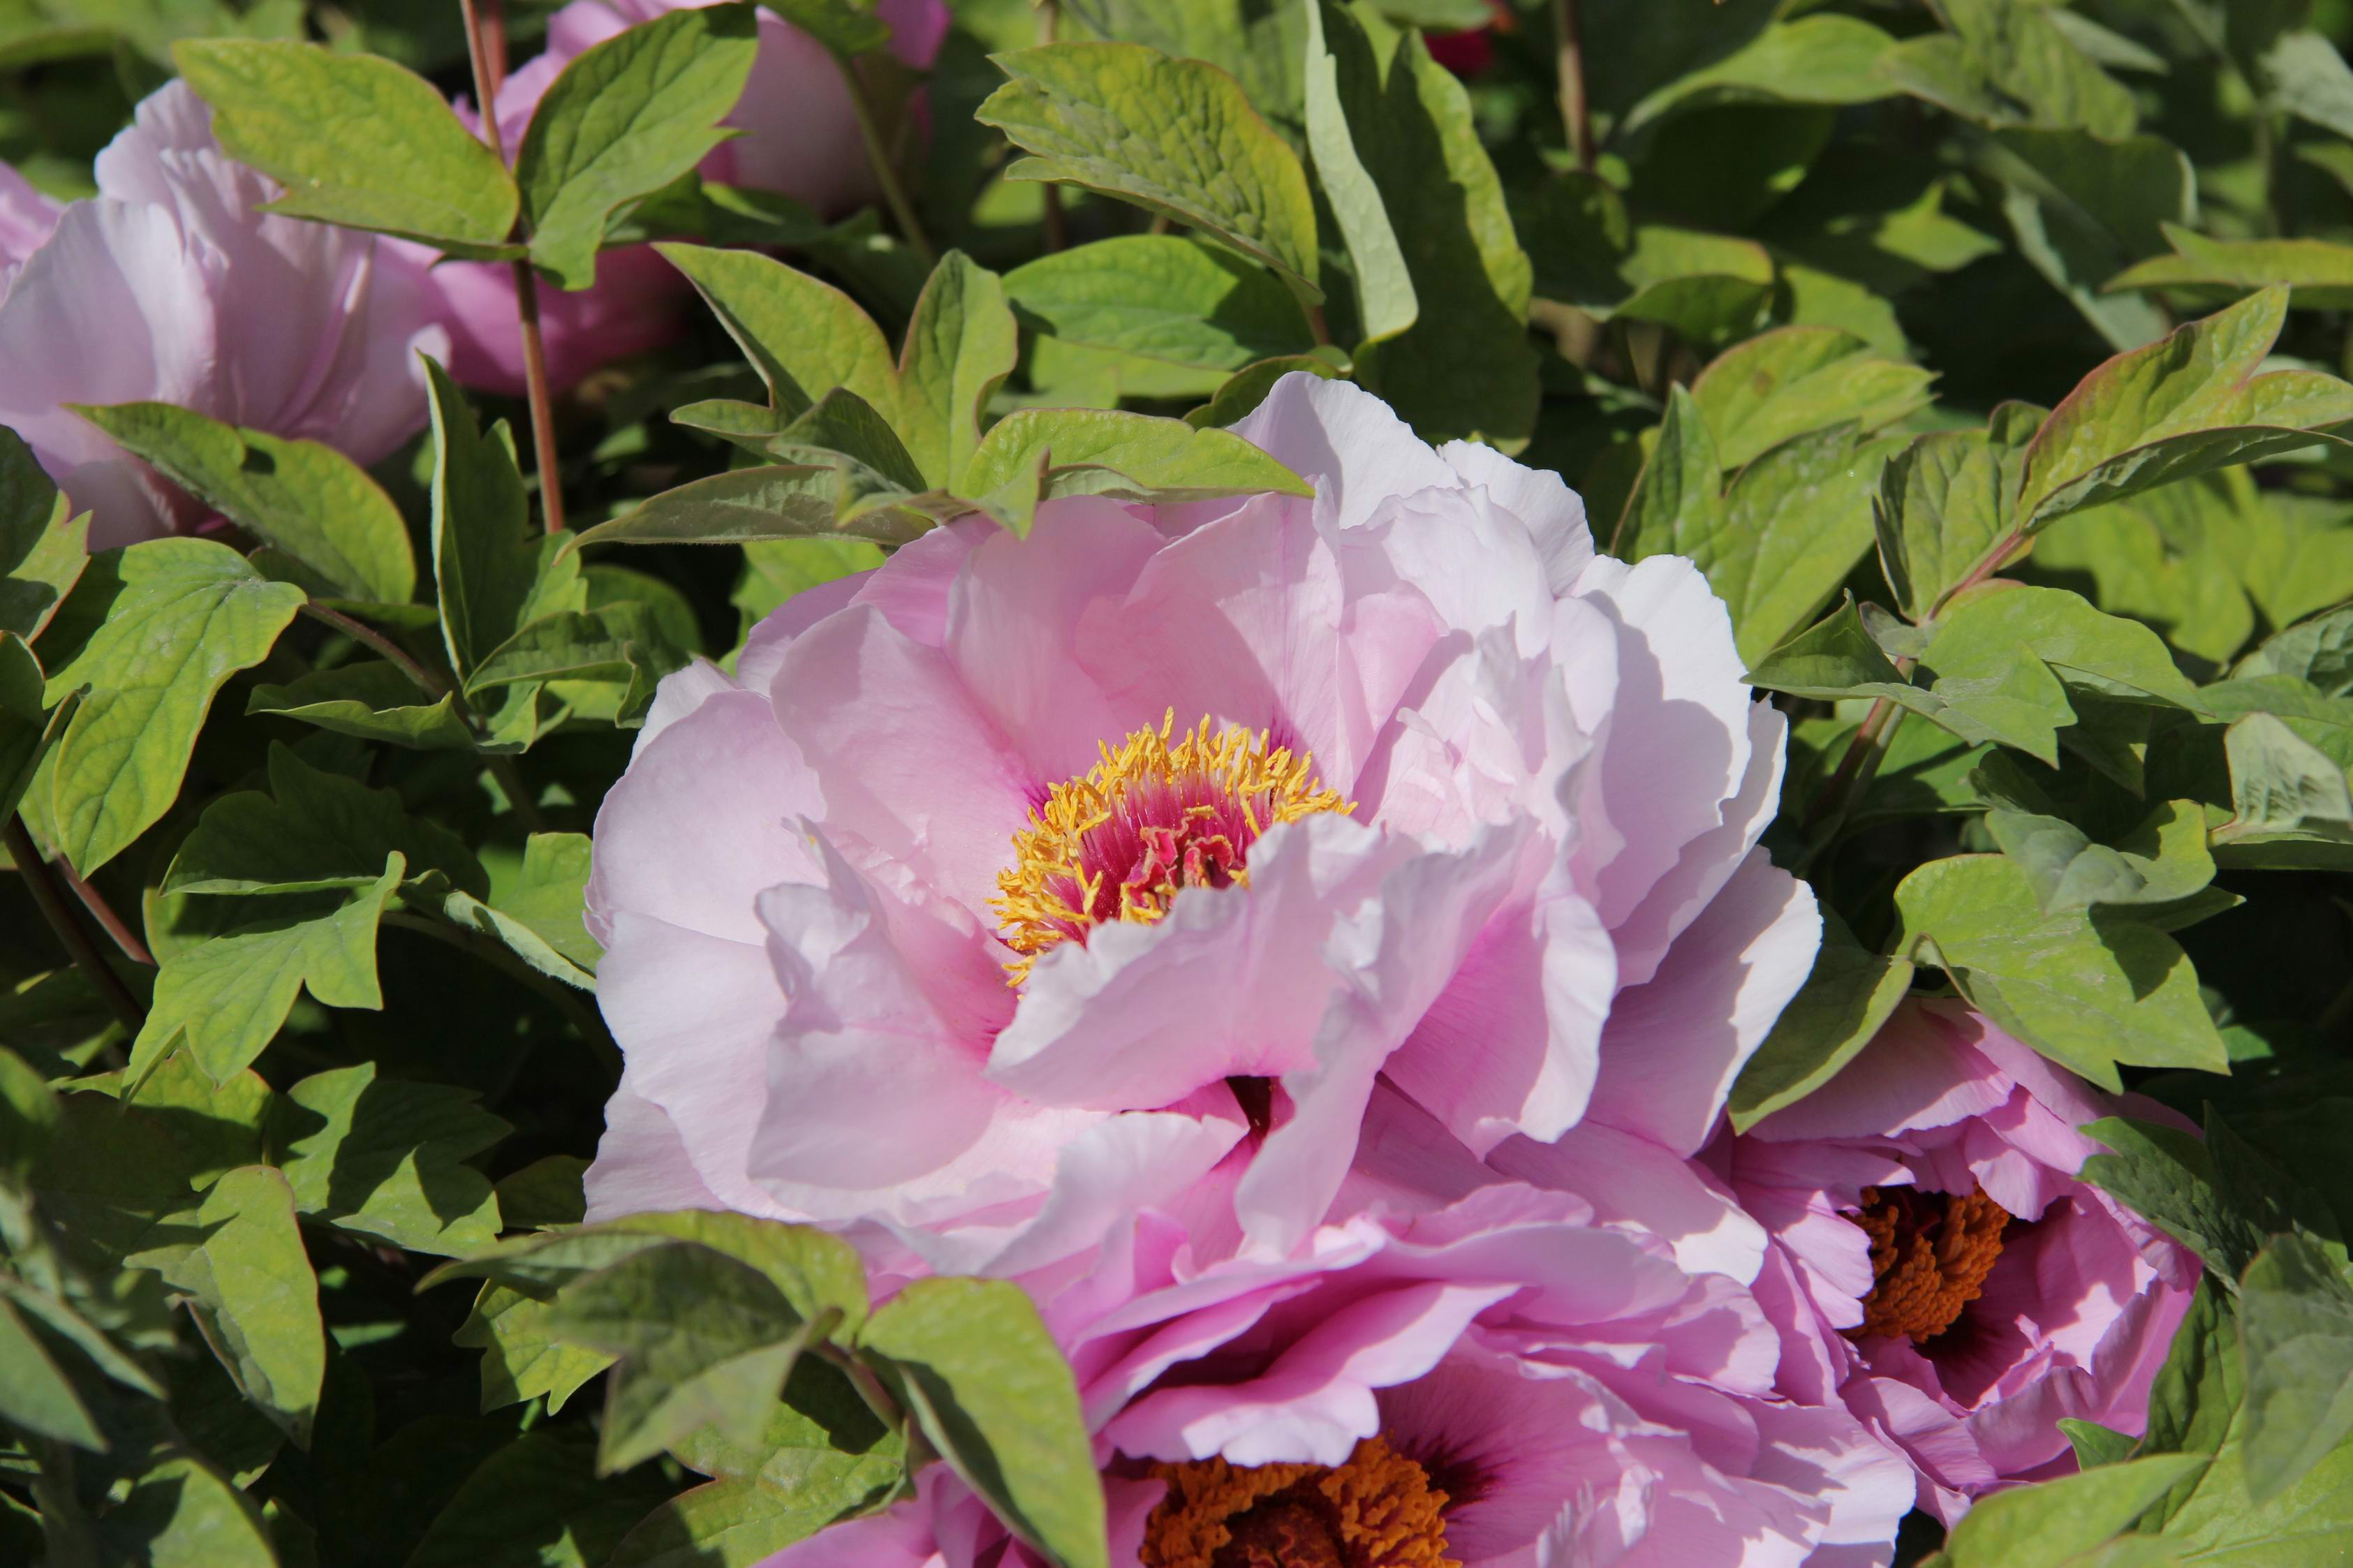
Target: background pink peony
(1577, 1395)
(169, 285)
(2077, 1312)
(799, 137)
(1547, 906)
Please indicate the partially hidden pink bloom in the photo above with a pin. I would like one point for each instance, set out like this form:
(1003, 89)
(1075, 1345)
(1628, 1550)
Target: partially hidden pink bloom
(1259, 802)
(171, 286)
(1502, 1381)
(1967, 1335)
(799, 137)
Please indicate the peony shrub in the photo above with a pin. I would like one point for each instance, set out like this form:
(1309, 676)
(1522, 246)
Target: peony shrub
(1296, 786)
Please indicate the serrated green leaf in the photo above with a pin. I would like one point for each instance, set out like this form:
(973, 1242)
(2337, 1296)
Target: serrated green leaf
(1465, 367)
(248, 1282)
(2047, 1526)
(698, 1337)
(314, 830)
(183, 617)
(2177, 408)
(228, 996)
(1945, 503)
(537, 1503)
(1386, 302)
(2164, 860)
(485, 569)
(624, 118)
(1798, 380)
(1130, 456)
(1174, 136)
(372, 701)
(998, 1403)
(385, 1158)
(2087, 993)
(521, 1357)
(1851, 993)
(42, 549)
(356, 141)
(305, 497)
(2295, 1328)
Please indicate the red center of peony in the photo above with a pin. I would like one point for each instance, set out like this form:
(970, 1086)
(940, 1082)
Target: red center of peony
(1378, 1511)
(1160, 814)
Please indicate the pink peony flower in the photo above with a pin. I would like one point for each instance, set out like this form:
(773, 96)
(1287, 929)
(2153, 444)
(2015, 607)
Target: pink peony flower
(1499, 1381)
(1253, 803)
(1935, 1263)
(169, 285)
(799, 137)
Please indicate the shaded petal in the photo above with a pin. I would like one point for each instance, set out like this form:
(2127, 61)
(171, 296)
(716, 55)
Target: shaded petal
(1627, 1177)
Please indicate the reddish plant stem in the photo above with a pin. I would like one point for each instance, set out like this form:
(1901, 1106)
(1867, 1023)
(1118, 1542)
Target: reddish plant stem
(41, 880)
(99, 910)
(486, 49)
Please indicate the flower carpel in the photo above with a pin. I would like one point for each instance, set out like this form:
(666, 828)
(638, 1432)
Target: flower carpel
(1148, 821)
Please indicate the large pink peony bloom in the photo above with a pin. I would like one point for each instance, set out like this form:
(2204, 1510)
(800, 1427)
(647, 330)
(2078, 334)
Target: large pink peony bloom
(1257, 802)
(799, 137)
(169, 285)
(1497, 1382)
(1935, 1264)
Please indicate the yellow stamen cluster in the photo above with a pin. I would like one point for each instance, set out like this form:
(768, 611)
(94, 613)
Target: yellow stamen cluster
(1378, 1511)
(1161, 812)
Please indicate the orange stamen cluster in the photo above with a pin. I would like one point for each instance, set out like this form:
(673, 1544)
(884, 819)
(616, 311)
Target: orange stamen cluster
(1930, 1254)
(1148, 820)
(1378, 1511)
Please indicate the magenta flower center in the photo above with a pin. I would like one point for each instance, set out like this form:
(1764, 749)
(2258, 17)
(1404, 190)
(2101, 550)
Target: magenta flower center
(1148, 821)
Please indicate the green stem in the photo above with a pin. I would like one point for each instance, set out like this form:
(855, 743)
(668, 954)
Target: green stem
(1575, 110)
(894, 195)
(41, 881)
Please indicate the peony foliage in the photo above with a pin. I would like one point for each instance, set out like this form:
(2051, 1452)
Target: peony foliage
(1175, 784)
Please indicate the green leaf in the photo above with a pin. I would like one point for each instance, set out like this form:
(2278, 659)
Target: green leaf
(2285, 792)
(814, 1271)
(1710, 287)
(733, 1524)
(1386, 302)
(960, 348)
(356, 141)
(228, 996)
(216, 1126)
(2084, 206)
(36, 1397)
(2096, 1444)
(1160, 297)
(624, 118)
(484, 568)
(183, 1513)
(1174, 136)
(519, 938)
(1851, 993)
(26, 732)
(385, 1158)
(776, 569)
(41, 549)
(2179, 557)
(785, 500)
(1835, 659)
(2177, 408)
(1945, 503)
(2167, 1176)
(522, 1356)
(803, 337)
(1246, 388)
(1129, 457)
(320, 830)
(248, 1283)
(546, 1194)
(2163, 860)
(2007, 62)
(1798, 380)
(549, 894)
(2048, 1525)
(372, 701)
(700, 1337)
(2295, 1327)
(2088, 993)
(305, 497)
(183, 617)
(1822, 59)
(997, 1400)
(1465, 367)
(2320, 273)
(538, 1502)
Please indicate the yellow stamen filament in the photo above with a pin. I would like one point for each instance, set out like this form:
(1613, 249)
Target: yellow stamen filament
(1930, 1254)
(1378, 1511)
